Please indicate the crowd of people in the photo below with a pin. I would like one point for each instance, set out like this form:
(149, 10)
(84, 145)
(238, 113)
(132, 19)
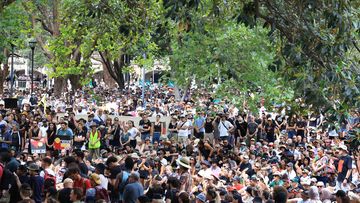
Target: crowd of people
(209, 150)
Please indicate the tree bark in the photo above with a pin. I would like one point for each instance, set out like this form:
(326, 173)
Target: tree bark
(114, 67)
(5, 71)
(59, 84)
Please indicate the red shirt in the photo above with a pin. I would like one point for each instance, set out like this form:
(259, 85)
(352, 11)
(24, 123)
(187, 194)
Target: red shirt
(83, 184)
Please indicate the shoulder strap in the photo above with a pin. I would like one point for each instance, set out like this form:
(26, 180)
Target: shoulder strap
(224, 125)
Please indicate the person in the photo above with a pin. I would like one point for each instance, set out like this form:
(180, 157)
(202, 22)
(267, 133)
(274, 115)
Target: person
(94, 137)
(76, 195)
(199, 129)
(64, 193)
(183, 130)
(99, 169)
(97, 191)
(133, 133)
(6, 138)
(80, 135)
(36, 182)
(26, 193)
(50, 138)
(145, 127)
(280, 194)
(157, 129)
(342, 197)
(185, 177)
(122, 178)
(172, 128)
(224, 126)
(133, 190)
(79, 182)
(15, 138)
(344, 169)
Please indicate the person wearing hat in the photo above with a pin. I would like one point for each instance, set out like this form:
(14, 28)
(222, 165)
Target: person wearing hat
(294, 189)
(100, 192)
(276, 180)
(185, 176)
(344, 170)
(94, 137)
(36, 182)
(201, 198)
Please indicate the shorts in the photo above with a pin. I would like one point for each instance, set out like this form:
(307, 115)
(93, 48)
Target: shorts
(144, 136)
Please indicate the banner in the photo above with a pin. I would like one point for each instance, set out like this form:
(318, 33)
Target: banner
(62, 142)
(38, 146)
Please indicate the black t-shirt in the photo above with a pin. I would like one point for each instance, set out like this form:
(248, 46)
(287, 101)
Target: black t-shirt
(83, 168)
(242, 127)
(171, 194)
(114, 172)
(208, 127)
(252, 126)
(64, 195)
(344, 164)
(145, 125)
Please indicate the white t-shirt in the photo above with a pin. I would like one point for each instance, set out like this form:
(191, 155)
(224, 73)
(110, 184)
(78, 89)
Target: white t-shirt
(182, 132)
(223, 127)
(104, 181)
(133, 131)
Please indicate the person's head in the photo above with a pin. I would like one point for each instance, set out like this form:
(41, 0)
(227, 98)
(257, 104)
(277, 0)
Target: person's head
(76, 194)
(25, 191)
(158, 117)
(280, 194)
(68, 183)
(63, 125)
(108, 121)
(184, 197)
(111, 162)
(130, 124)
(95, 179)
(211, 193)
(341, 196)
(325, 194)
(79, 155)
(46, 162)
(144, 116)
(129, 163)
(134, 177)
(74, 172)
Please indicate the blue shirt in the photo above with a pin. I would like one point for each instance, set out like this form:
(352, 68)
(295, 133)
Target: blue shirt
(67, 132)
(6, 137)
(199, 122)
(37, 184)
(132, 192)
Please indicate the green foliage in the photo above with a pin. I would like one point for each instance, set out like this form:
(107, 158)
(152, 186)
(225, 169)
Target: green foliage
(14, 26)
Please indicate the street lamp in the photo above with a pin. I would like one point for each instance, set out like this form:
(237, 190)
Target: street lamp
(32, 45)
(12, 70)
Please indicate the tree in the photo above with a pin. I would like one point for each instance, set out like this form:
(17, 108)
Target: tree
(13, 29)
(318, 48)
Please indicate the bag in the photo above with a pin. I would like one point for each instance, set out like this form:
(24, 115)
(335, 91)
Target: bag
(49, 181)
(101, 193)
(124, 182)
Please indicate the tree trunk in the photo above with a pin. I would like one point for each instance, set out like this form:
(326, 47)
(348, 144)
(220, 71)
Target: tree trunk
(114, 68)
(107, 77)
(3, 75)
(75, 82)
(59, 85)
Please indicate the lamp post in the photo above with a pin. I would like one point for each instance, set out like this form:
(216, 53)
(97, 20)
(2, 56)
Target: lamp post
(32, 45)
(12, 70)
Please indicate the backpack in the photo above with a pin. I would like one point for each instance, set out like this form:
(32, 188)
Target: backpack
(49, 181)
(101, 193)
(6, 178)
(124, 182)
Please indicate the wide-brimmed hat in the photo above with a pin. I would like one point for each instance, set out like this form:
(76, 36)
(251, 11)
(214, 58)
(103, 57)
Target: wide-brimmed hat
(96, 178)
(184, 161)
(343, 147)
(201, 197)
(33, 167)
(196, 142)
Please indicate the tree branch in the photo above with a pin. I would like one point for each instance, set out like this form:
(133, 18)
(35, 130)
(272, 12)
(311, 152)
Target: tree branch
(43, 24)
